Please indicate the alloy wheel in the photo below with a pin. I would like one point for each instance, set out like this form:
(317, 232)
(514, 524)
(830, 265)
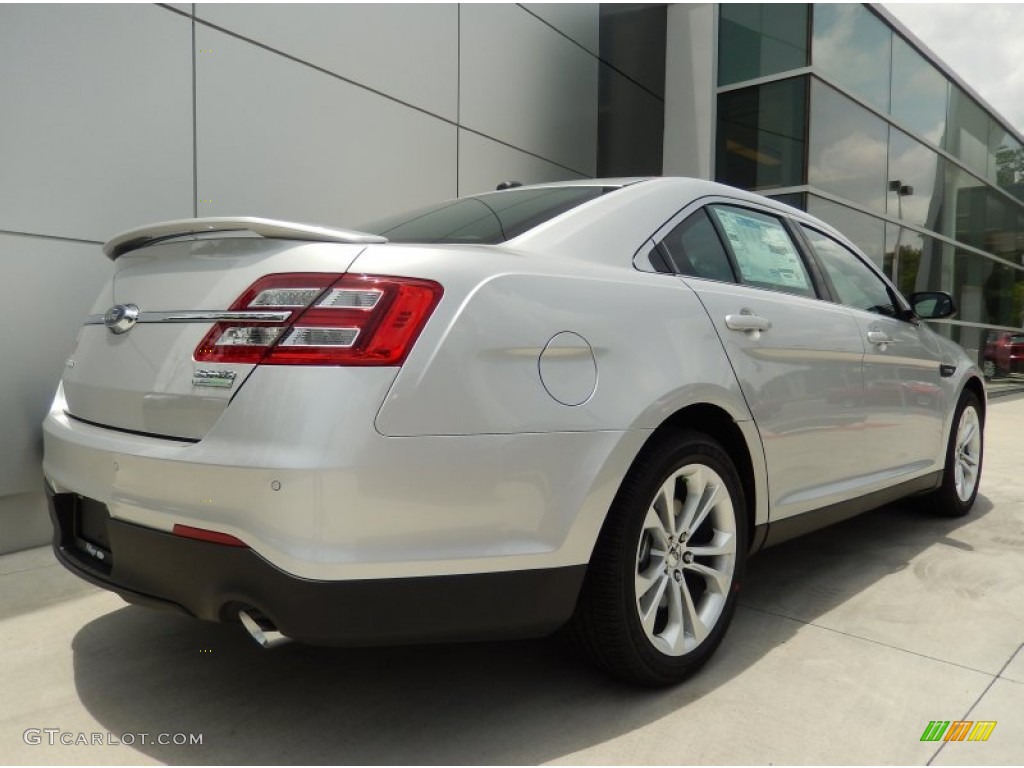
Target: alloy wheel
(685, 559)
(968, 452)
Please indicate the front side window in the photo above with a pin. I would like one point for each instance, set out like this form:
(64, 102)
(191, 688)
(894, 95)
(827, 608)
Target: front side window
(694, 249)
(856, 285)
(763, 250)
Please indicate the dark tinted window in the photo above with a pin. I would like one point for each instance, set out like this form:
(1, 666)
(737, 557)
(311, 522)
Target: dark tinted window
(856, 284)
(695, 250)
(491, 218)
(761, 135)
(758, 39)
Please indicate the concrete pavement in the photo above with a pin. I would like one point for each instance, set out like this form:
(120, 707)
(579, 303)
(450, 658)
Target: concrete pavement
(847, 643)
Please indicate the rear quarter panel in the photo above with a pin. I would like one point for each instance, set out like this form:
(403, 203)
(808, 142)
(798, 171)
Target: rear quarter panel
(476, 368)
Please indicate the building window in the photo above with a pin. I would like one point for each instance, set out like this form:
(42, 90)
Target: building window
(847, 148)
(761, 135)
(915, 182)
(967, 134)
(1006, 161)
(919, 262)
(920, 93)
(853, 48)
(755, 40)
(796, 199)
(987, 291)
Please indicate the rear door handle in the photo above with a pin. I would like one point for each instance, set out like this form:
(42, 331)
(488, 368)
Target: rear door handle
(880, 337)
(748, 322)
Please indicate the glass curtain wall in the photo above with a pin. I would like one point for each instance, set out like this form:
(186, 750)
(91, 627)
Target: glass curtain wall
(879, 142)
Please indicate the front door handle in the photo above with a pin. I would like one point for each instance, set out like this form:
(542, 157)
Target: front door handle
(880, 339)
(748, 322)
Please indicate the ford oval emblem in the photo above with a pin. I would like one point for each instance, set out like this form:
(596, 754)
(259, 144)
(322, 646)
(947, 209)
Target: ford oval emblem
(121, 317)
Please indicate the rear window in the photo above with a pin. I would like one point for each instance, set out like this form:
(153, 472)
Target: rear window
(490, 218)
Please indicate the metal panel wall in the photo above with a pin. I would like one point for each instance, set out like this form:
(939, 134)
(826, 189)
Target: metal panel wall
(331, 114)
(409, 52)
(525, 84)
(280, 139)
(96, 133)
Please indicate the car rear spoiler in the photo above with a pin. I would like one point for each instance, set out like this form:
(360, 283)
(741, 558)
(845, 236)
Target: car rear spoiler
(285, 230)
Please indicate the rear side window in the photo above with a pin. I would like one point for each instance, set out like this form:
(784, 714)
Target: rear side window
(856, 285)
(694, 249)
(764, 252)
(488, 219)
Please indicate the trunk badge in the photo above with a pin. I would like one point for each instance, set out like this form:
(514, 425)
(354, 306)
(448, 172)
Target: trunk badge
(221, 379)
(121, 317)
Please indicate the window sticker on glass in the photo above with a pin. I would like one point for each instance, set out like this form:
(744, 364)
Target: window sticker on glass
(764, 251)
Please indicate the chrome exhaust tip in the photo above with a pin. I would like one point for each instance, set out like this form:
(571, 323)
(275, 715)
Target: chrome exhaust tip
(262, 634)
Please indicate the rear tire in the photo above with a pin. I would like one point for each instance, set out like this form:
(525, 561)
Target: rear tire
(965, 451)
(662, 583)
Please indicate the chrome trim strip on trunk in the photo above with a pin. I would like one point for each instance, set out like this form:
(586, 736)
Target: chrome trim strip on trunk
(202, 316)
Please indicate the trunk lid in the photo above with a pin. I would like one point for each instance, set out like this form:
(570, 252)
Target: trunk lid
(145, 378)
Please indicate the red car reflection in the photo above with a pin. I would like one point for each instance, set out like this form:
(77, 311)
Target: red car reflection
(1003, 355)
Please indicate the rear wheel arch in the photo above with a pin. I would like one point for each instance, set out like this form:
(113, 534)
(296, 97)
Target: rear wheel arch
(716, 423)
(662, 583)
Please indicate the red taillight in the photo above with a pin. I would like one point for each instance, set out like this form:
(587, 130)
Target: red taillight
(351, 320)
(202, 534)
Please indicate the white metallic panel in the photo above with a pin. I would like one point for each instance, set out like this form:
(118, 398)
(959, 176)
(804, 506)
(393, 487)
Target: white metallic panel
(96, 134)
(279, 139)
(48, 288)
(580, 21)
(524, 83)
(484, 163)
(408, 51)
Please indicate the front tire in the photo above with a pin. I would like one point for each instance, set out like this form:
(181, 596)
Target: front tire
(662, 583)
(961, 477)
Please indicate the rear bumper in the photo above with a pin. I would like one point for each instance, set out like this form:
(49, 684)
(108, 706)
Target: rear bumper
(213, 581)
(323, 496)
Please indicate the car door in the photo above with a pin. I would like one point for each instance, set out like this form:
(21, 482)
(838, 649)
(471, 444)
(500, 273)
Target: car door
(793, 353)
(904, 392)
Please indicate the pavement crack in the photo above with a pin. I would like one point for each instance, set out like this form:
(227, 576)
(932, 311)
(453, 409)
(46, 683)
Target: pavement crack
(870, 640)
(999, 676)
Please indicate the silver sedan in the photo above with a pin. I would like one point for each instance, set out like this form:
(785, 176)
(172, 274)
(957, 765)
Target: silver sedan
(578, 405)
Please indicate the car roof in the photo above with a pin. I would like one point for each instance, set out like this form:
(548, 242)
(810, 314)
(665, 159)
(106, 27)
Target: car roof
(604, 229)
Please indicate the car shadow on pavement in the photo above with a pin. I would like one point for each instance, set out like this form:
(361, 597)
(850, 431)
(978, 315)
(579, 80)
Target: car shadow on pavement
(145, 672)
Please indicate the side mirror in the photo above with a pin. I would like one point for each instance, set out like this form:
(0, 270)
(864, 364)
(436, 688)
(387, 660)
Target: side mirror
(932, 305)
